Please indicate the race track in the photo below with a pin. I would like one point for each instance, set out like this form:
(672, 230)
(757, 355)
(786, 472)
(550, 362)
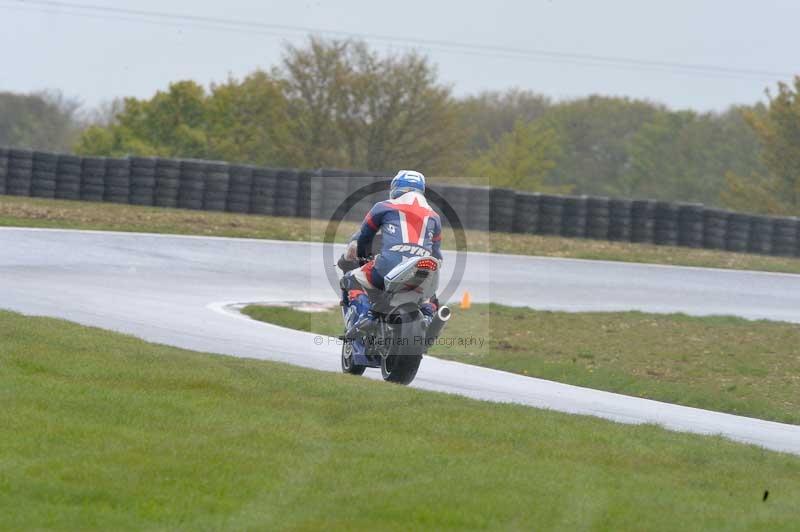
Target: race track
(179, 291)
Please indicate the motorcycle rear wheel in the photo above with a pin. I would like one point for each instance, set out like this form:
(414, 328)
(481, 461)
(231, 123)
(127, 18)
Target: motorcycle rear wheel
(400, 368)
(348, 366)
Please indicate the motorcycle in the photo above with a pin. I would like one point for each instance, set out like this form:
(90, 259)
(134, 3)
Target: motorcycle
(400, 333)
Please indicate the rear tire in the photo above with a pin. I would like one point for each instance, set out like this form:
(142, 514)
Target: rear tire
(400, 369)
(403, 357)
(348, 366)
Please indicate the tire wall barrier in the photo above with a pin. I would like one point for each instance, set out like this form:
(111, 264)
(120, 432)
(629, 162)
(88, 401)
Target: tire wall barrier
(167, 183)
(217, 185)
(246, 189)
(191, 184)
(68, 177)
(620, 212)
(574, 211)
(690, 225)
(551, 214)
(598, 213)
(142, 181)
(43, 178)
(643, 221)
(3, 169)
(117, 184)
(19, 176)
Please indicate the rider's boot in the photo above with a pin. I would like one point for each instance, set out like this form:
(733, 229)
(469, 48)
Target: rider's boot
(359, 317)
(428, 310)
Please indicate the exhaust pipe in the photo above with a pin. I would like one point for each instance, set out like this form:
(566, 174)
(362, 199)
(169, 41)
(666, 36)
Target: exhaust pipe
(437, 324)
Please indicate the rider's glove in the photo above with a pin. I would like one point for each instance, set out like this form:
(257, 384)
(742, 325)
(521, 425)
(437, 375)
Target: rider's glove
(351, 251)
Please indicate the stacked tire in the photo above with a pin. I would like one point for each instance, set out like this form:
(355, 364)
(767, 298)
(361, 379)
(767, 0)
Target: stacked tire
(143, 181)
(786, 237)
(501, 213)
(715, 228)
(93, 178)
(619, 220)
(265, 183)
(167, 178)
(738, 234)
(333, 189)
(240, 188)
(192, 184)
(573, 216)
(598, 213)
(354, 207)
(218, 186)
(215, 191)
(287, 193)
(360, 204)
(118, 181)
(304, 206)
(381, 187)
(68, 177)
(760, 239)
(690, 225)
(643, 221)
(479, 207)
(43, 182)
(316, 195)
(20, 172)
(456, 198)
(3, 169)
(666, 227)
(551, 209)
(526, 212)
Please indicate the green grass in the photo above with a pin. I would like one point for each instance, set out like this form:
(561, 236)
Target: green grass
(32, 212)
(328, 322)
(718, 363)
(103, 431)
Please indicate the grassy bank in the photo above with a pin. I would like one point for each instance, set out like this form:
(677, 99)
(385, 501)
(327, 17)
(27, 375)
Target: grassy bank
(29, 212)
(103, 431)
(718, 363)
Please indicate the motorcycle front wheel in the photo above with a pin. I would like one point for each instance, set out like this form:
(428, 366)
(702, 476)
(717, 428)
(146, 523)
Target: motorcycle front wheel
(348, 366)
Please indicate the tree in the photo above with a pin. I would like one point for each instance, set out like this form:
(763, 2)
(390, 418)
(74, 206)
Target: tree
(776, 188)
(351, 107)
(491, 114)
(595, 134)
(42, 121)
(248, 121)
(332, 104)
(316, 80)
(171, 124)
(522, 159)
(238, 121)
(684, 156)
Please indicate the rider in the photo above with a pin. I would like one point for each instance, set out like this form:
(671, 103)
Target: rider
(409, 227)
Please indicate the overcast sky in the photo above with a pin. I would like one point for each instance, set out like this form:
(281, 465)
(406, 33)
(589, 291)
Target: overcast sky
(99, 57)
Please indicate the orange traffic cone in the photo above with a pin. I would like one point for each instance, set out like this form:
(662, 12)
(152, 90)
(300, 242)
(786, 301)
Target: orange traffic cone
(466, 301)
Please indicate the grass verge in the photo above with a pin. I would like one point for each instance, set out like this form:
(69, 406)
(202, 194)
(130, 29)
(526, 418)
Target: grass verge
(718, 363)
(104, 431)
(32, 212)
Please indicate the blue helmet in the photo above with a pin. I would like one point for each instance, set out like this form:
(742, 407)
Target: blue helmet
(406, 181)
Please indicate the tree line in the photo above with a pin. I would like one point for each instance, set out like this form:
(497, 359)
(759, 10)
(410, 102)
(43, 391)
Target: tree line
(339, 104)
(41, 120)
